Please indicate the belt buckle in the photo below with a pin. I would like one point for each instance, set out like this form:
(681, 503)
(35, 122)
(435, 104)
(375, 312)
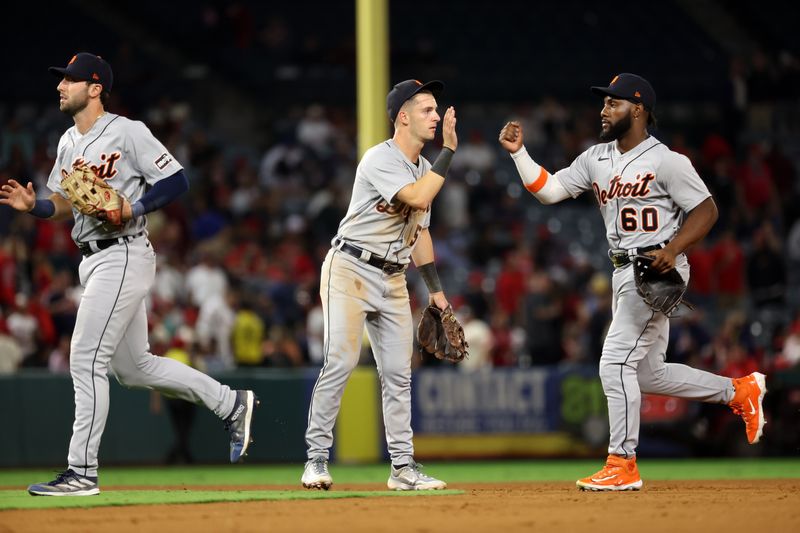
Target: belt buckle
(391, 268)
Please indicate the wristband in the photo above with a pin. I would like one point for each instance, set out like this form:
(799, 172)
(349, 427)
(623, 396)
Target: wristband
(137, 209)
(43, 209)
(431, 278)
(442, 162)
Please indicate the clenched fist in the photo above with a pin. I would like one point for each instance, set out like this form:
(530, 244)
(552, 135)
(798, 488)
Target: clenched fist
(511, 137)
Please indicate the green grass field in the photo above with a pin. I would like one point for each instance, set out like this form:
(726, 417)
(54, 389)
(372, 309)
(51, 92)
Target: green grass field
(14, 482)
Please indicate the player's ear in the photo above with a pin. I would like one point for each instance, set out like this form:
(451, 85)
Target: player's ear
(402, 117)
(95, 89)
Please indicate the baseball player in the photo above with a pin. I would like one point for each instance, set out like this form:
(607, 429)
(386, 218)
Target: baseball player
(117, 271)
(363, 280)
(653, 202)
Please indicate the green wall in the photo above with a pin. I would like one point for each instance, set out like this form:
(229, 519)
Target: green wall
(38, 408)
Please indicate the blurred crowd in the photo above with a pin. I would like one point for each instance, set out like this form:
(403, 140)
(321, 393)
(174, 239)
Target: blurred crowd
(239, 254)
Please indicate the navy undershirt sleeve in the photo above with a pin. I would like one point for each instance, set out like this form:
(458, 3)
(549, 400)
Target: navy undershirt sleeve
(162, 193)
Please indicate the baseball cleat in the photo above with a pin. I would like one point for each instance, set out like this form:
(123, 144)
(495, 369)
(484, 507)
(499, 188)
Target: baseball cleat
(239, 423)
(316, 475)
(411, 477)
(67, 483)
(618, 474)
(747, 403)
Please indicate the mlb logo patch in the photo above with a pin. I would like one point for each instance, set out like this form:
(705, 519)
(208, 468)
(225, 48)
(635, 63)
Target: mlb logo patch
(164, 160)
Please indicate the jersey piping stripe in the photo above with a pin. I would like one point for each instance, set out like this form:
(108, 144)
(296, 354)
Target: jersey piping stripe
(327, 339)
(83, 154)
(616, 226)
(94, 360)
(625, 395)
(99, 135)
(622, 381)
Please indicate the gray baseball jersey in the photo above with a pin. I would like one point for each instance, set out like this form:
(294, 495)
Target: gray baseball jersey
(643, 196)
(372, 222)
(124, 153)
(643, 193)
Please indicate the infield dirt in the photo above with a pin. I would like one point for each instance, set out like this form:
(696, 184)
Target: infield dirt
(669, 506)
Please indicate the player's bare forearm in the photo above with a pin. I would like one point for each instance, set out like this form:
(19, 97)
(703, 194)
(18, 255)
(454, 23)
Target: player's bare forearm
(421, 193)
(696, 226)
(422, 254)
(698, 223)
(63, 207)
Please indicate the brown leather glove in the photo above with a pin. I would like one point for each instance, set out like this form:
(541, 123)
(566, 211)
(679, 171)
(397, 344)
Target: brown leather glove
(440, 333)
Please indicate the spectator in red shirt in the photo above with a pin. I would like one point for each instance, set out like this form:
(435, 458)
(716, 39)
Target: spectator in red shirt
(756, 180)
(728, 258)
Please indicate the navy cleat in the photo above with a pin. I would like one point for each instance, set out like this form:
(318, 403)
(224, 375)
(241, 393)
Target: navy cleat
(67, 483)
(239, 423)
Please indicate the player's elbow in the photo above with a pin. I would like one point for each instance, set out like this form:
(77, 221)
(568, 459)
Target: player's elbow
(546, 196)
(713, 213)
(419, 203)
(707, 210)
(544, 200)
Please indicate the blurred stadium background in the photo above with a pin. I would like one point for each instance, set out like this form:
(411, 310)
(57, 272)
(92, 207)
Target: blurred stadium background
(258, 102)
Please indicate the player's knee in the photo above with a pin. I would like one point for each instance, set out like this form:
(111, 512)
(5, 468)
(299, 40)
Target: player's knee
(338, 365)
(396, 378)
(609, 373)
(612, 374)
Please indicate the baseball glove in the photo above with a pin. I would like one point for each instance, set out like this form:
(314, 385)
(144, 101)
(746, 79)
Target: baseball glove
(440, 333)
(662, 291)
(92, 196)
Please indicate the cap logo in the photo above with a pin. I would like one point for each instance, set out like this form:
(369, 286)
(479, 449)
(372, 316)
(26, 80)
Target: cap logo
(71, 61)
(614, 80)
(418, 82)
(95, 76)
(637, 94)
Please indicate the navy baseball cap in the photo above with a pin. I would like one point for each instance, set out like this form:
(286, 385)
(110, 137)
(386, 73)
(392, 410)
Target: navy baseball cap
(87, 67)
(630, 87)
(405, 90)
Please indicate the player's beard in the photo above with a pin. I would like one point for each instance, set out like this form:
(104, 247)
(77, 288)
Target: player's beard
(615, 131)
(75, 105)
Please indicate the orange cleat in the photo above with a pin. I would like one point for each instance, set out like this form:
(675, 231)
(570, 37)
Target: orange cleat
(747, 402)
(618, 474)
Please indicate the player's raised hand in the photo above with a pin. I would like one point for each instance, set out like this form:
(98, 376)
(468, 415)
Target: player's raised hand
(16, 196)
(449, 137)
(511, 137)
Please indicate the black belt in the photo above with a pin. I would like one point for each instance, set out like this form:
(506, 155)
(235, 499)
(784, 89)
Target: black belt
(620, 258)
(386, 266)
(92, 247)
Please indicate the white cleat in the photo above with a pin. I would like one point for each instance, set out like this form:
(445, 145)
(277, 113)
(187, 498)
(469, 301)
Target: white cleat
(316, 475)
(410, 477)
